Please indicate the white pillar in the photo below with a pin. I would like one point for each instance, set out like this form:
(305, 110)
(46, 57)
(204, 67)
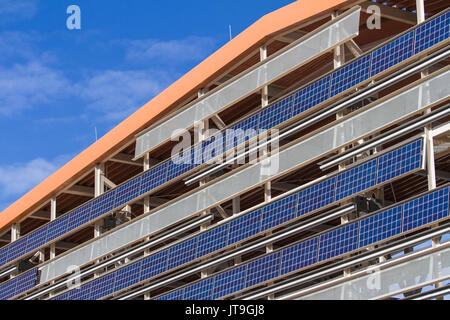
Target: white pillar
(52, 217)
(420, 11)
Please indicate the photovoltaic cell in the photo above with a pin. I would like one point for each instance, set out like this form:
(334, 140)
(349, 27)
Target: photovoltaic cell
(356, 179)
(212, 240)
(199, 291)
(245, 226)
(338, 241)
(213, 147)
(311, 95)
(350, 75)
(180, 165)
(57, 228)
(263, 269)
(154, 265)
(102, 286)
(299, 256)
(17, 248)
(426, 209)
(82, 293)
(154, 177)
(26, 282)
(127, 276)
(128, 191)
(275, 114)
(103, 204)
(7, 289)
(37, 238)
(392, 53)
(182, 253)
(4, 255)
(242, 131)
(381, 226)
(400, 161)
(279, 212)
(174, 295)
(432, 32)
(229, 282)
(316, 196)
(79, 216)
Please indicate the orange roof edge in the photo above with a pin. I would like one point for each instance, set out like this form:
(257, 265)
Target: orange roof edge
(269, 24)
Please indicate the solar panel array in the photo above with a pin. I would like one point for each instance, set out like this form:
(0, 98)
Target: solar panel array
(256, 222)
(361, 69)
(17, 285)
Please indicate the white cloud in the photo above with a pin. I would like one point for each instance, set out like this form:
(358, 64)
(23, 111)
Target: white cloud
(13, 10)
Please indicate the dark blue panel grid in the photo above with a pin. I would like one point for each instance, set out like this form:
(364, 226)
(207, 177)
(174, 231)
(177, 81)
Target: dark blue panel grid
(3, 255)
(174, 295)
(426, 209)
(311, 95)
(103, 204)
(212, 240)
(392, 53)
(127, 276)
(17, 248)
(350, 75)
(37, 238)
(102, 286)
(7, 289)
(279, 212)
(381, 226)
(79, 216)
(356, 180)
(182, 253)
(229, 282)
(263, 269)
(26, 281)
(245, 226)
(82, 293)
(316, 196)
(154, 177)
(338, 241)
(176, 166)
(199, 291)
(432, 32)
(399, 161)
(299, 256)
(241, 132)
(213, 147)
(275, 114)
(57, 228)
(153, 265)
(127, 192)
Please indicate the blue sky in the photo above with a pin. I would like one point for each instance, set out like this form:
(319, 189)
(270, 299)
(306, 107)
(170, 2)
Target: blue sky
(57, 85)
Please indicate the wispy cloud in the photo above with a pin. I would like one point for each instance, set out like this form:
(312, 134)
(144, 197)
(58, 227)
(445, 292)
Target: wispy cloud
(13, 10)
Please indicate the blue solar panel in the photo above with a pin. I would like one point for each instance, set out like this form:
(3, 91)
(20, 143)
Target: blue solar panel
(37, 238)
(102, 287)
(338, 241)
(103, 204)
(356, 180)
(127, 192)
(311, 95)
(213, 147)
(316, 196)
(17, 249)
(299, 256)
(3, 255)
(57, 228)
(263, 269)
(432, 32)
(381, 226)
(275, 114)
(127, 276)
(180, 165)
(174, 295)
(426, 209)
(279, 212)
(7, 289)
(392, 53)
(199, 291)
(242, 131)
(212, 240)
(229, 282)
(350, 75)
(244, 226)
(154, 177)
(154, 265)
(79, 216)
(82, 293)
(399, 161)
(26, 281)
(182, 253)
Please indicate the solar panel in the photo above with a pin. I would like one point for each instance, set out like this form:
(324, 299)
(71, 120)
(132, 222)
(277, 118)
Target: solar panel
(103, 204)
(350, 75)
(57, 228)
(275, 114)
(356, 180)
(399, 161)
(199, 291)
(79, 216)
(299, 256)
(311, 95)
(392, 53)
(263, 269)
(213, 147)
(102, 287)
(426, 209)
(82, 293)
(178, 166)
(279, 212)
(17, 248)
(432, 32)
(37, 238)
(242, 131)
(316, 196)
(127, 276)
(26, 281)
(182, 253)
(380, 226)
(338, 241)
(212, 240)
(229, 282)
(4, 255)
(244, 226)
(7, 289)
(154, 265)
(174, 295)
(127, 192)
(154, 177)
